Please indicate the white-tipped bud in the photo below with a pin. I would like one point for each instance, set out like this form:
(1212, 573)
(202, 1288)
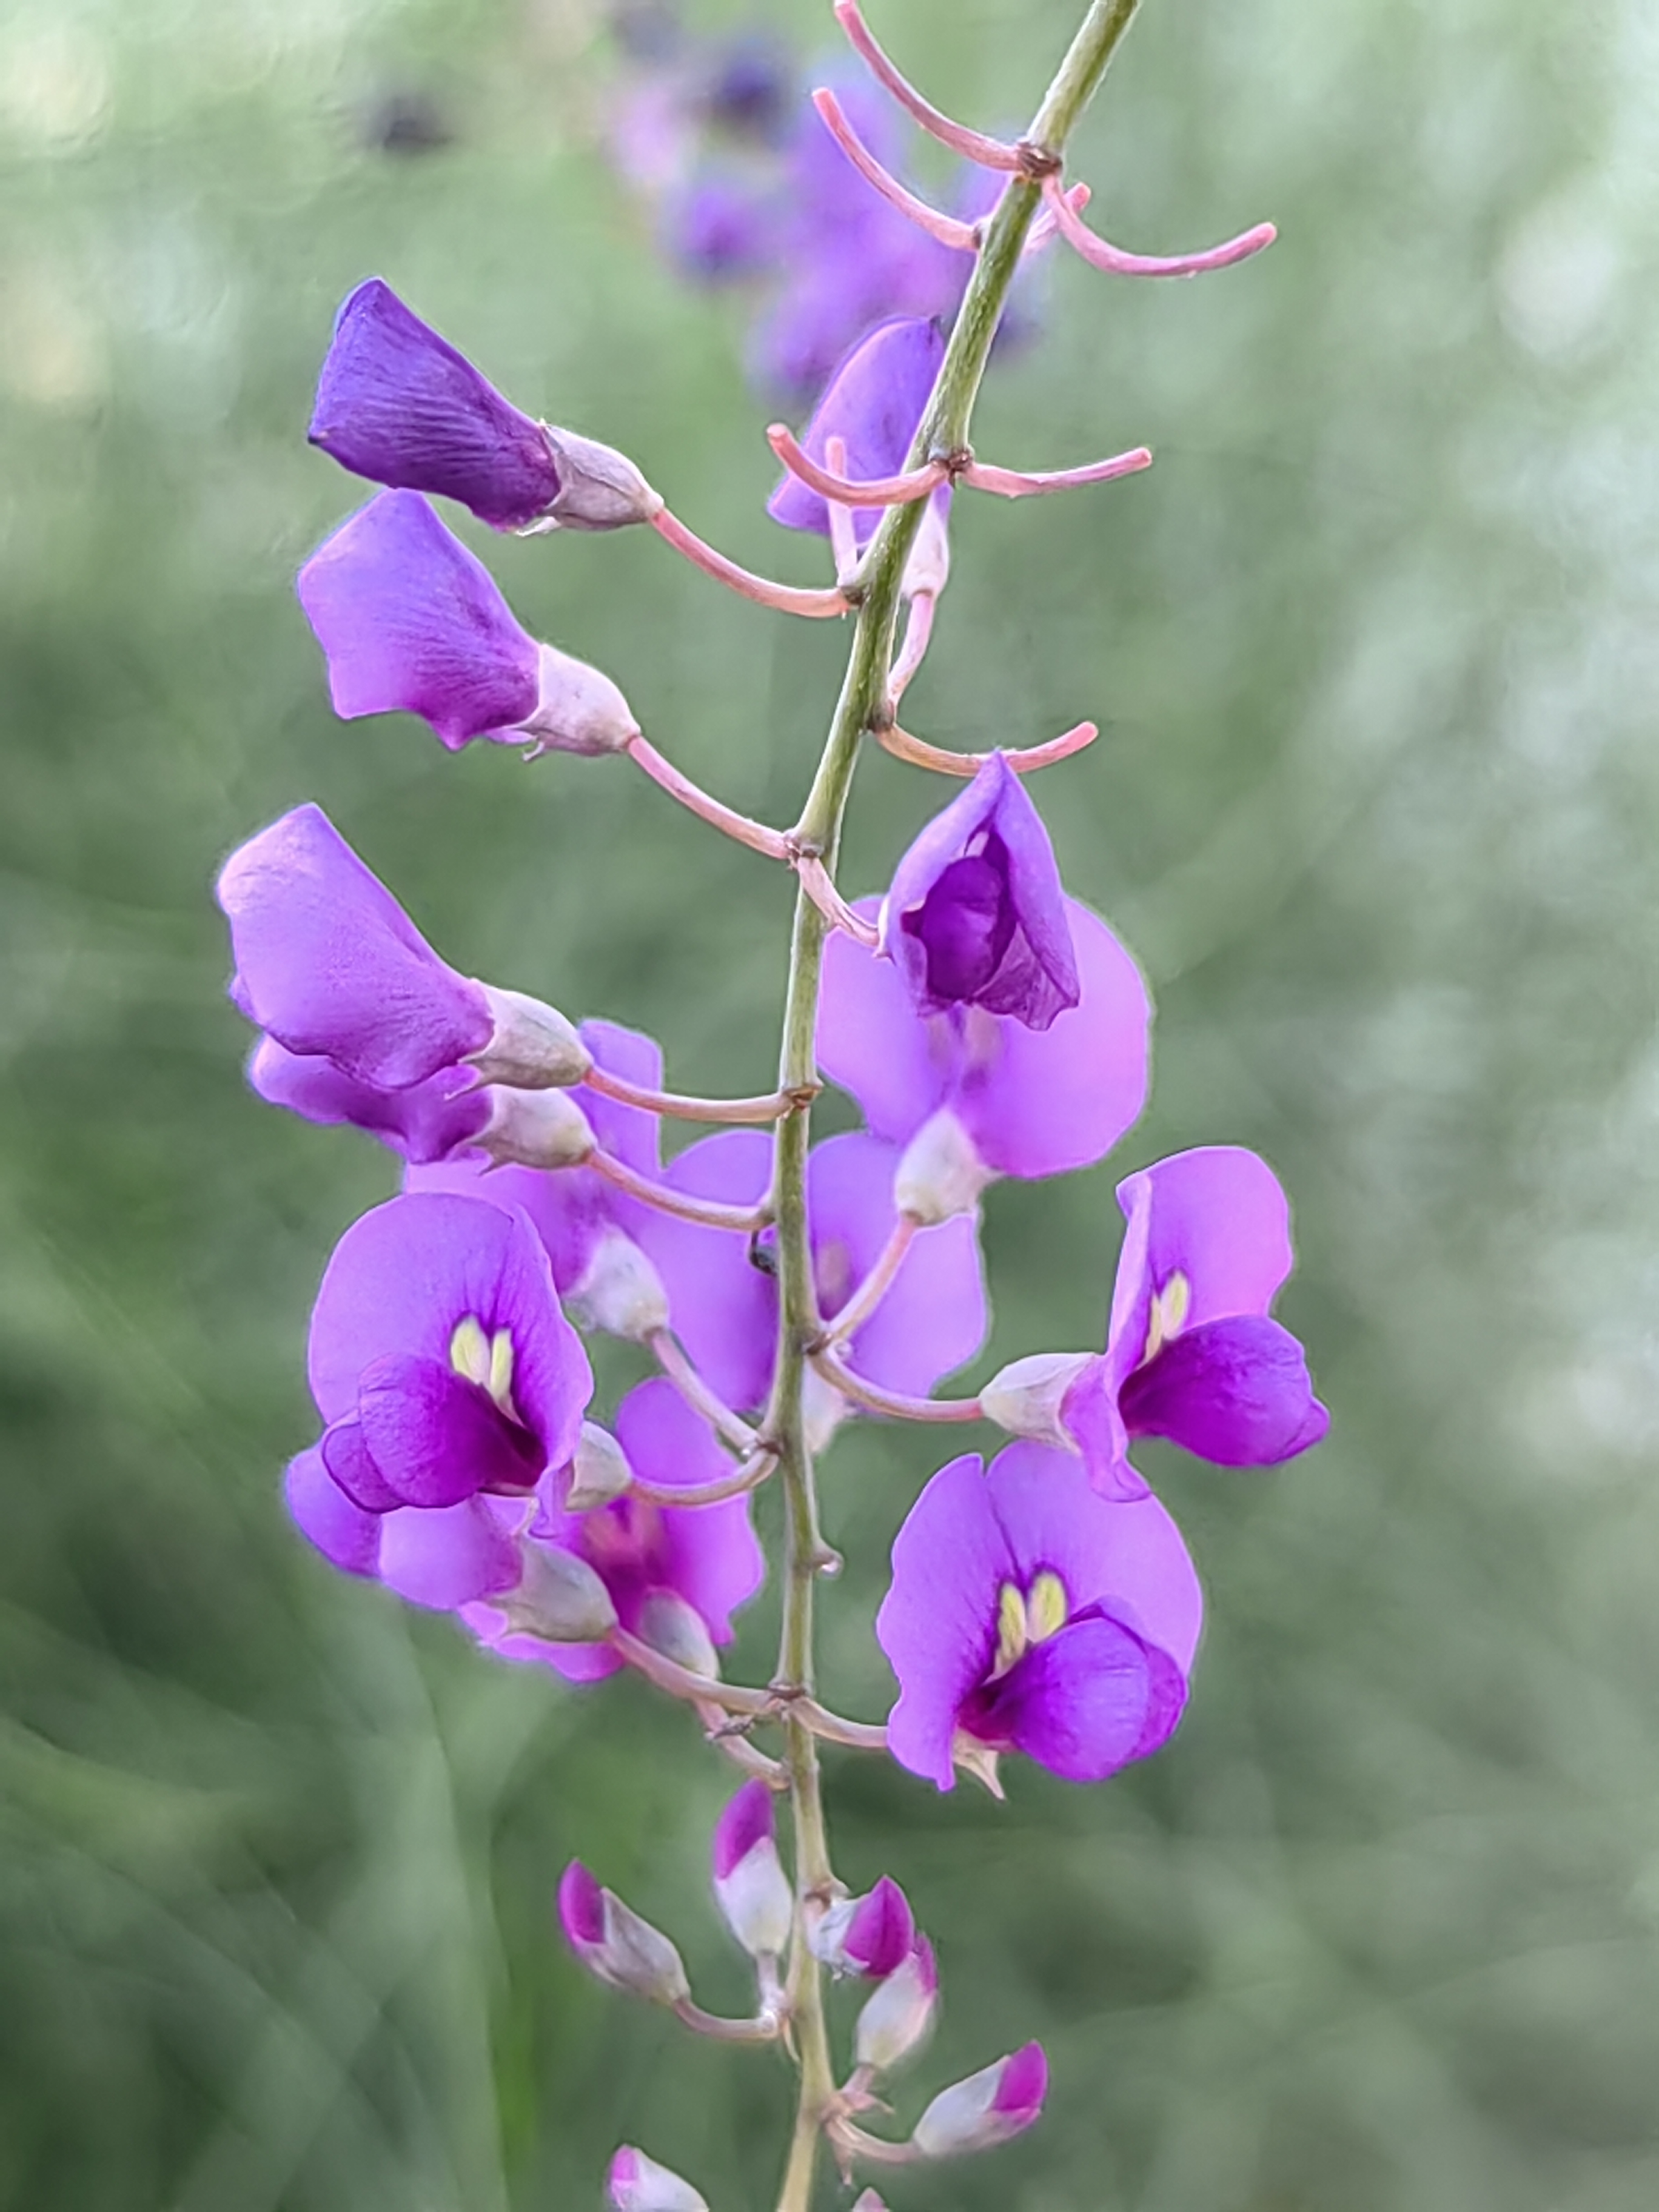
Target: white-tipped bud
(535, 1129)
(941, 1174)
(928, 567)
(533, 1047)
(619, 1291)
(599, 1472)
(671, 1625)
(615, 1944)
(637, 2183)
(578, 709)
(599, 489)
(988, 2108)
(1025, 1397)
(750, 1887)
(560, 1598)
(867, 2201)
(897, 2019)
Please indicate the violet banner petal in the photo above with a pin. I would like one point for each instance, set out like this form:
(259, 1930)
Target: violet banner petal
(1219, 1217)
(436, 1437)
(347, 1536)
(1235, 1391)
(351, 1465)
(938, 1621)
(935, 1315)
(410, 620)
(873, 403)
(896, 1064)
(331, 965)
(425, 1123)
(398, 404)
(1127, 1557)
(1078, 1702)
(448, 1557)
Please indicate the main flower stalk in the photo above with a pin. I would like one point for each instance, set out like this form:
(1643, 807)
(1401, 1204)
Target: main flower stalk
(863, 707)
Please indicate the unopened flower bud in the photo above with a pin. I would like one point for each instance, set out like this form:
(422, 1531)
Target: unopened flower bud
(615, 1944)
(599, 1472)
(671, 1625)
(559, 1598)
(750, 1887)
(535, 1129)
(1026, 1396)
(941, 1174)
(532, 1047)
(988, 2108)
(637, 2183)
(578, 709)
(897, 2017)
(871, 1935)
(867, 2201)
(599, 489)
(619, 1291)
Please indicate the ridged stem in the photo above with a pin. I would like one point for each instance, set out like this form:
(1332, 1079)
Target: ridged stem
(862, 705)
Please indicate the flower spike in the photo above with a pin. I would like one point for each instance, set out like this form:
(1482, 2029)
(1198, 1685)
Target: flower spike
(963, 237)
(1099, 254)
(884, 491)
(989, 153)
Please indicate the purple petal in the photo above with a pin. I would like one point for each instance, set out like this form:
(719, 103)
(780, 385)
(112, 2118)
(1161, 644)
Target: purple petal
(898, 1065)
(721, 228)
(408, 619)
(934, 1317)
(975, 916)
(1044, 1102)
(1218, 1216)
(398, 404)
(1023, 2086)
(404, 1277)
(347, 1536)
(349, 1460)
(725, 1307)
(709, 1554)
(874, 402)
(1084, 1701)
(425, 1123)
(437, 1437)
(1126, 1557)
(449, 1558)
(1235, 1391)
(747, 1820)
(938, 1621)
(329, 962)
(628, 1132)
(882, 1931)
(581, 1907)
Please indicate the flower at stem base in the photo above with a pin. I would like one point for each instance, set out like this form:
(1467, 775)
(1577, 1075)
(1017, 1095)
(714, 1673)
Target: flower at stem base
(1027, 1613)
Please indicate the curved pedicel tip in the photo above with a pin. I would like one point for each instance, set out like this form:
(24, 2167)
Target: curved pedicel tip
(962, 237)
(783, 599)
(1099, 254)
(920, 754)
(880, 491)
(989, 153)
(1044, 226)
(1015, 483)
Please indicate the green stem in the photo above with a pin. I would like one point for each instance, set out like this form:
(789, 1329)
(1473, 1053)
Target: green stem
(861, 707)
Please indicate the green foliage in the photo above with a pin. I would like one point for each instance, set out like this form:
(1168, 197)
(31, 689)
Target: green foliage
(1371, 645)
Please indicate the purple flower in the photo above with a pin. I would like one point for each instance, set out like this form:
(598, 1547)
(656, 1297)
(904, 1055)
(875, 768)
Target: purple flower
(428, 1122)
(750, 1887)
(975, 916)
(398, 404)
(450, 1382)
(932, 1321)
(873, 403)
(705, 1558)
(409, 620)
(1191, 1353)
(1027, 1613)
(615, 1944)
(871, 1935)
(1031, 1102)
(722, 227)
(330, 965)
(987, 2109)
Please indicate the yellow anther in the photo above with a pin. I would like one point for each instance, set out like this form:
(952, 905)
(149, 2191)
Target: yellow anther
(1046, 1609)
(469, 1351)
(1012, 1633)
(499, 1382)
(1170, 1307)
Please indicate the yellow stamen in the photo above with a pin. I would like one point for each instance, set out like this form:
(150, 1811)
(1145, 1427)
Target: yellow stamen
(1170, 1308)
(1046, 1609)
(469, 1351)
(500, 1384)
(1013, 1634)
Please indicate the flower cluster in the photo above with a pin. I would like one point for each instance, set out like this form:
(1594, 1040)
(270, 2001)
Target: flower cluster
(986, 1023)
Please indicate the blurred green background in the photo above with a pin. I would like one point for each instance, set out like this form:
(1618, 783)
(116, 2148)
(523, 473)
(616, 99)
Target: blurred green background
(1374, 650)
